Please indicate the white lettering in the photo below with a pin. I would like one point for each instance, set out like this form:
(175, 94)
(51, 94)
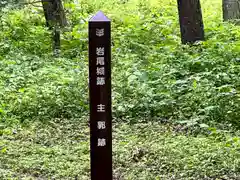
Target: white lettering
(100, 81)
(100, 51)
(101, 142)
(100, 61)
(100, 32)
(101, 125)
(100, 108)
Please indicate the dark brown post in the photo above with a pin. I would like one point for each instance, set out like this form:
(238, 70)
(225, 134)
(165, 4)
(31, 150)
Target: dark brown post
(191, 23)
(100, 97)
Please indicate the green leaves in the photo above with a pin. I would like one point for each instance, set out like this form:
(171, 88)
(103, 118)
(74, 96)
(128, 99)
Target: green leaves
(154, 76)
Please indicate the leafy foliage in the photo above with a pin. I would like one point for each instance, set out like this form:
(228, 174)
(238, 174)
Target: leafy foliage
(154, 76)
(190, 94)
(60, 149)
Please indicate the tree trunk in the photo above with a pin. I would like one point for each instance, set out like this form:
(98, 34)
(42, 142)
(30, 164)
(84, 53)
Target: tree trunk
(190, 19)
(54, 13)
(231, 9)
(55, 18)
(47, 6)
(56, 41)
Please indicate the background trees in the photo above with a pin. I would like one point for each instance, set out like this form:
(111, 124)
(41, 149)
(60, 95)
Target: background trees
(190, 18)
(231, 9)
(55, 18)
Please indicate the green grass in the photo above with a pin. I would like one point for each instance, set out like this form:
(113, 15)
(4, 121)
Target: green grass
(175, 107)
(154, 76)
(60, 149)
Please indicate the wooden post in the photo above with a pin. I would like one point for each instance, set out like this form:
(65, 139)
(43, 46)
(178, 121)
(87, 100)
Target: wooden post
(100, 97)
(191, 23)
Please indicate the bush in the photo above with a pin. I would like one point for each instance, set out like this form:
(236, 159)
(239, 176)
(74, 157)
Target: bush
(154, 76)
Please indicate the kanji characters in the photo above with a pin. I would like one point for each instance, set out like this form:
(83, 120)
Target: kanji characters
(100, 32)
(100, 108)
(100, 71)
(100, 81)
(101, 142)
(100, 61)
(101, 125)
(100, 51)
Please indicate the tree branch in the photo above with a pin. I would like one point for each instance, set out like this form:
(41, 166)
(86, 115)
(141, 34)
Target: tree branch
(34, 2)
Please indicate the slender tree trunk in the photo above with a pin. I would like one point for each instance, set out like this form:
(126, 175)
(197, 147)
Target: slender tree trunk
(55, 18)
(191, 23)
(54, 13)
(56, 41)
(231, 9)
(47, 8)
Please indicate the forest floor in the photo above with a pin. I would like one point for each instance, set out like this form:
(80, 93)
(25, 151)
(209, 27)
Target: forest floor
(60, 150)
(175, 107)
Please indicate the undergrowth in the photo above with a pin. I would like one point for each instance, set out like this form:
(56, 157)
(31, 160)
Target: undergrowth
(154, 76)
(175, 107)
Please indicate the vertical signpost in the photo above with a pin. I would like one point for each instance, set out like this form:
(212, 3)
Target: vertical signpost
(100, 97)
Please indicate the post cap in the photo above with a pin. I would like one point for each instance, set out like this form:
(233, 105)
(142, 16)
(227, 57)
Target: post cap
(99, 17)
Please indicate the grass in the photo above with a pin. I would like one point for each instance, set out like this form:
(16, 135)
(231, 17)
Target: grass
(59, 149)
